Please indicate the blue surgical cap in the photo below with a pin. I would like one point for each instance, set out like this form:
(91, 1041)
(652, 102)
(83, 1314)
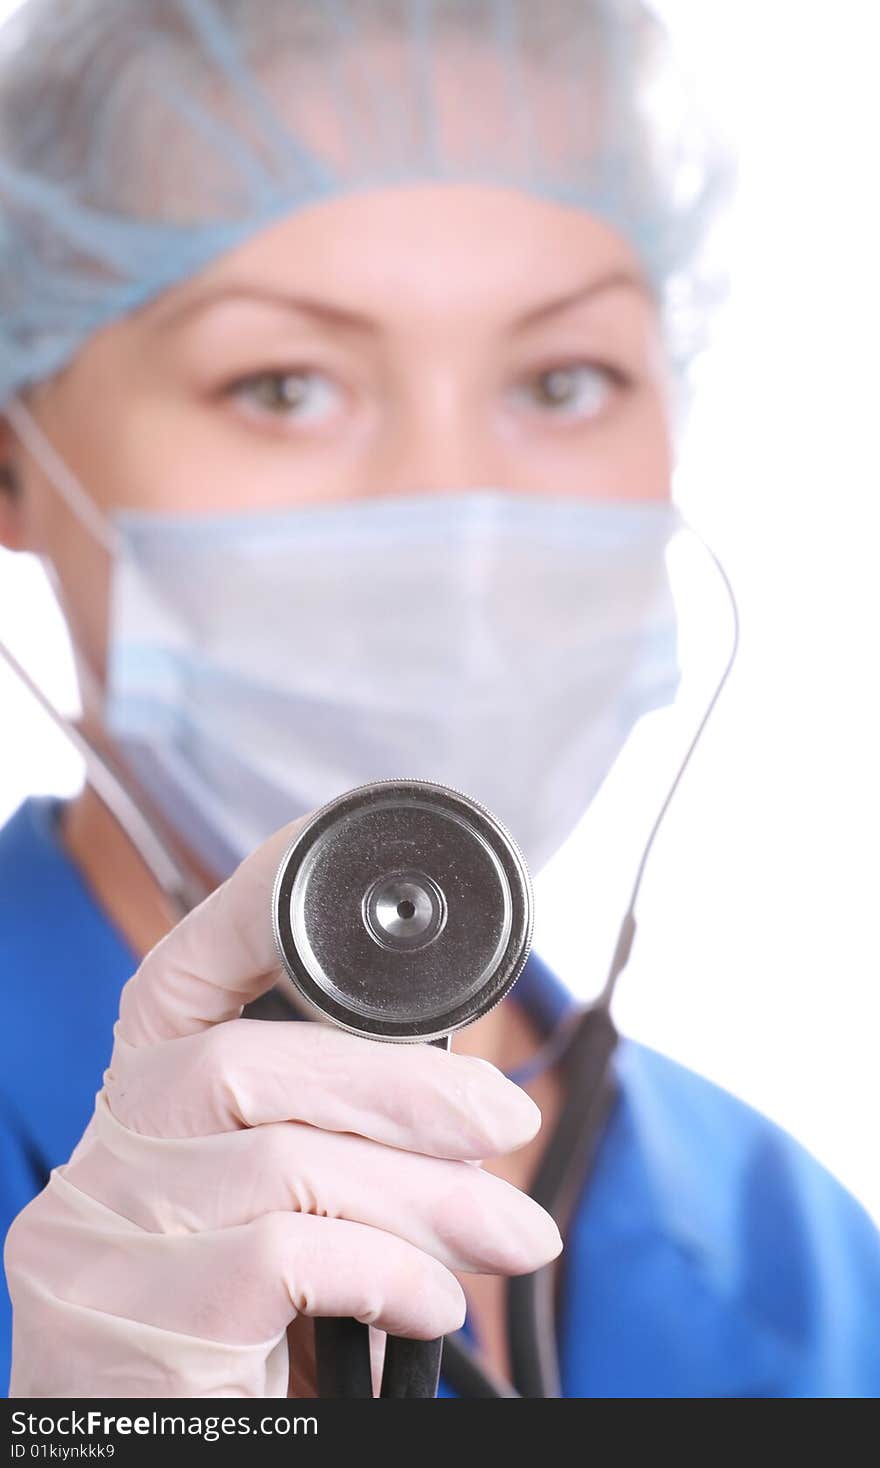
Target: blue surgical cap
(140, 139)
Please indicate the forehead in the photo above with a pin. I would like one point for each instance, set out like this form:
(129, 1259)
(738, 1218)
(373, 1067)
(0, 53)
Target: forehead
(416, 247)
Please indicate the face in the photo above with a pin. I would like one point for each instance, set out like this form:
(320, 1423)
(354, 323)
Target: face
(405, 340)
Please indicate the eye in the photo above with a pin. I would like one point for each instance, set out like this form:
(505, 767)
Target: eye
(304, 396)
(581, 390)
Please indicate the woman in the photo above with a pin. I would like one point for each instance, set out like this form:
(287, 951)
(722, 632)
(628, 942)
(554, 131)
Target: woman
(289, 291)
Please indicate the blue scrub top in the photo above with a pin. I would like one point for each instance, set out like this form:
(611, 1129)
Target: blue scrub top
(709, 1256)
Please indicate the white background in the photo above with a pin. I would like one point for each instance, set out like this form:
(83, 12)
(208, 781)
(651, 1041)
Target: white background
(758, 957)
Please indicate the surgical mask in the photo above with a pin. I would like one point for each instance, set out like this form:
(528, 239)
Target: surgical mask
(261, 664)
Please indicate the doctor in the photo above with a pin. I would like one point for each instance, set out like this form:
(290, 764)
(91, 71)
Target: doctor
(340, 357)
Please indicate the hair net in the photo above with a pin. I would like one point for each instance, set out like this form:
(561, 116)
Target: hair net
(140, 139)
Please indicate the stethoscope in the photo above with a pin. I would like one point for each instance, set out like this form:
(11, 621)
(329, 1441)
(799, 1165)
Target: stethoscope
(426, 888)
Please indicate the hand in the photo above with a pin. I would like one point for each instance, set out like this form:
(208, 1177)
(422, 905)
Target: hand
(239, 1175)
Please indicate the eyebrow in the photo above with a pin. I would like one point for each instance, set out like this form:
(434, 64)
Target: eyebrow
(617, 280)
(621, 279)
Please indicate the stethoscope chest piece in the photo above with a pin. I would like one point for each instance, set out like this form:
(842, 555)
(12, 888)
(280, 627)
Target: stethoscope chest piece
(403, 910)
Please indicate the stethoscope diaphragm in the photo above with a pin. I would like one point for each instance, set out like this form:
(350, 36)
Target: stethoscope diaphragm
(403, 910)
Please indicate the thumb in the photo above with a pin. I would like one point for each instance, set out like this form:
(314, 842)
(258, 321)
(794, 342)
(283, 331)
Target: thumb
(219, 958)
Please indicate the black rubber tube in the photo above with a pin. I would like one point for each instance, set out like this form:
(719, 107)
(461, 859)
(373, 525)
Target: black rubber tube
(412, 1368)
(566, 1165)
(342, 1358)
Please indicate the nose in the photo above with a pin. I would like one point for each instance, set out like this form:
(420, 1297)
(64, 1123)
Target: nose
(440, 437)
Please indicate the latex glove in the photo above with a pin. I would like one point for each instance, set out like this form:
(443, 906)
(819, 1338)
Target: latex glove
(237, 1173)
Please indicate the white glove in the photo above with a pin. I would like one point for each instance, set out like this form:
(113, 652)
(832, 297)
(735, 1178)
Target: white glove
(239, 1173)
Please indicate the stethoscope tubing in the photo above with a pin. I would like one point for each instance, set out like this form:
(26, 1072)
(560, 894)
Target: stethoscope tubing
(587, 1065)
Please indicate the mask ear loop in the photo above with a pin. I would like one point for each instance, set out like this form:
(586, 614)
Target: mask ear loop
(182, 888)
(61, 477)
(558, 1041)
(628, 927)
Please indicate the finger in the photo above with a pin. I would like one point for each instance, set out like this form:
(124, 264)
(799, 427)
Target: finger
(238, 1285)
(220, 957)
(466, 1218)
(249, 1072)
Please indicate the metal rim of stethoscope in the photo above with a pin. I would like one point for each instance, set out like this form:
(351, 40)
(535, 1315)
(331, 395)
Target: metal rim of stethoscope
(584, 1042)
